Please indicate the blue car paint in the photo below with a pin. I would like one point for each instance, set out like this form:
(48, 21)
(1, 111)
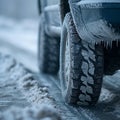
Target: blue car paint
(96, 20)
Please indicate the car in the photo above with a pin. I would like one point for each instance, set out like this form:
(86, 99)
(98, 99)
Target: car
(80, 40)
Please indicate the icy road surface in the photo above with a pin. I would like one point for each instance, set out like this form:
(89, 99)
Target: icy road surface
(19, 39)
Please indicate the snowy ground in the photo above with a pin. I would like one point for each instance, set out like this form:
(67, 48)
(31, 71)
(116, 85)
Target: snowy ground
(19, 39)
(20, 89)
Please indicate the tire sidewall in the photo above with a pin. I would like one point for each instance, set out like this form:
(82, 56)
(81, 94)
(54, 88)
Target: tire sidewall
(65, 36)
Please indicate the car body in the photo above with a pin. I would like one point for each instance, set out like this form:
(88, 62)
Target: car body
(98, 20)
(51, 11)
(80, 39)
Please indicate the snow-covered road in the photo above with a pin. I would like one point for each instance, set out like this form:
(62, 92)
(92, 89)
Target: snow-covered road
(21, 97)
(19, 37)
(20, 41)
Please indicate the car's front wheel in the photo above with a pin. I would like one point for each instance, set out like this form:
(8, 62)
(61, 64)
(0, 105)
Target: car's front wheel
(81, 67)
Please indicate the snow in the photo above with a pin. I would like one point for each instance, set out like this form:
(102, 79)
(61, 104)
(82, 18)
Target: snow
(106, 96)
(97, 1)
(16, 31)
(33, 92)
(21, 38)
(17, 81)
(41, 112)
(25, 81)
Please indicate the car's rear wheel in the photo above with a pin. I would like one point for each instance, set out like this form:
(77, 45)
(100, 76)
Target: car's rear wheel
(81, 67)
(48, 51)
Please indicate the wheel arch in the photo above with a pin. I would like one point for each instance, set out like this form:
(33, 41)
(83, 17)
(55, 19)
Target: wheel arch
(64, 8)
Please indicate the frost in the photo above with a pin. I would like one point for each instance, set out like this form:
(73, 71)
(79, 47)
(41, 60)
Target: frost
(97, 1)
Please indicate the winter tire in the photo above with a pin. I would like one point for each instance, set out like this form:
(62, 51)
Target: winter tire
(48, 51)
(81, 67)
